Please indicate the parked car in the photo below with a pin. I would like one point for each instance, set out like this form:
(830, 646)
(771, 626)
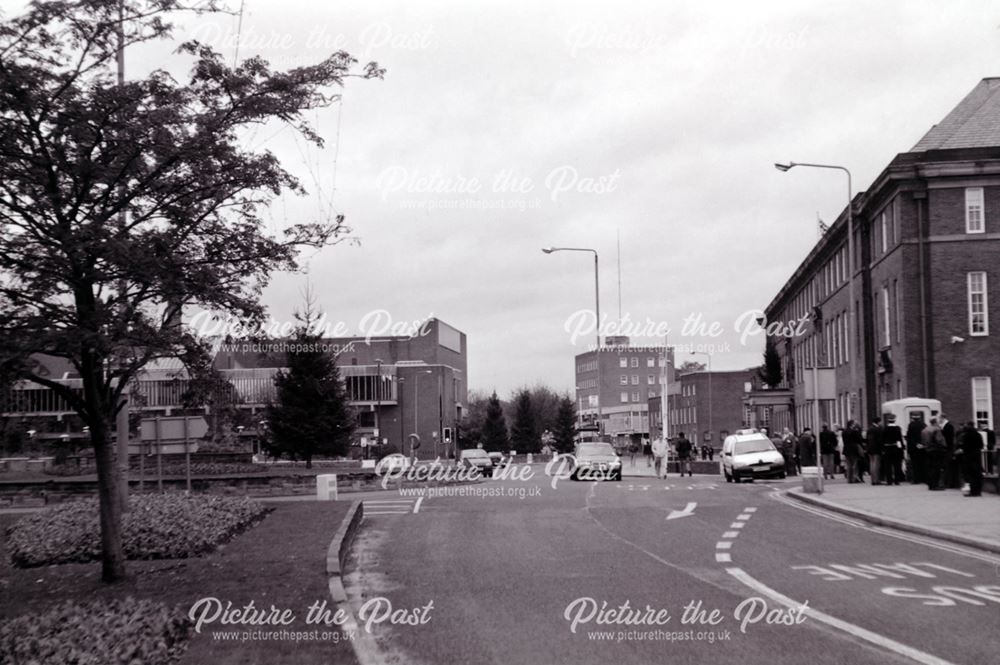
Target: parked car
(596, 460)
(751, 456)
(477, 457)
(498, 459)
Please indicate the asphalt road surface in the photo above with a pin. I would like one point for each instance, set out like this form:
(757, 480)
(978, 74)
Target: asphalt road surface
(518, 571)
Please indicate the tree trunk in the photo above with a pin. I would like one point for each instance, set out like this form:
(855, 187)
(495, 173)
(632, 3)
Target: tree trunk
(112, 554)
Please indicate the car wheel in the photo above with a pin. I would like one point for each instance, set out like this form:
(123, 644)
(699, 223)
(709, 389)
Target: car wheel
(781, 476)
(729, 478)
(573, 476)
(618, 478)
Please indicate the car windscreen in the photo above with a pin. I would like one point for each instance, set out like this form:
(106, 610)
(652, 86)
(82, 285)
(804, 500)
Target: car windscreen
(593, 449)
(750, 447)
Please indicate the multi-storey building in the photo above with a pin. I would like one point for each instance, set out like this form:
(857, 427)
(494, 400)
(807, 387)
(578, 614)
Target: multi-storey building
(926, 254)
(621, 378)
(397, 386)
(708, 406)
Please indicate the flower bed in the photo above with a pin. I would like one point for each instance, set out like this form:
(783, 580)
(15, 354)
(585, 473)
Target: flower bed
(157, 526)
(117, 631)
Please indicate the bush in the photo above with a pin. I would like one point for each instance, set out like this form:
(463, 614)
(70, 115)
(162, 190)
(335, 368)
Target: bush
(119, 631)
(203, 468)
(63, 470)
(157, 526)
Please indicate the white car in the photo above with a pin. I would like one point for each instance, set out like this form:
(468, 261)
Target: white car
(751, 456)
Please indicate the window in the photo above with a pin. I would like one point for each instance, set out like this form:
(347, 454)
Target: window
(885, 315)
(623, 362)
(974, 210)
(650, 362)
(978, 316)
(635, 379)
(635, 362)
(885, 233)
(650, 380)
(635, 397)
(982, 399)
(624, 397)
(624, 379)
(899, 315)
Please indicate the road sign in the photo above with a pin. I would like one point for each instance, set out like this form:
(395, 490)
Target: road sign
(172, 429)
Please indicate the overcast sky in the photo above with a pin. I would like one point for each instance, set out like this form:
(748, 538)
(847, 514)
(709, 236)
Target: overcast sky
(655, 121)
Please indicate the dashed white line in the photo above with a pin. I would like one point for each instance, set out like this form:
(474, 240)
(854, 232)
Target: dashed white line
(744, 516)
(737, 525)
(730, 534)
(386, 512)
(723, 557)
(724, 545)
(416, 506)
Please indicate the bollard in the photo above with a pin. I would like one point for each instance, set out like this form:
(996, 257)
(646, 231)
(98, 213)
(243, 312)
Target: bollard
(529, 458)
(810, 479)
(326, 487)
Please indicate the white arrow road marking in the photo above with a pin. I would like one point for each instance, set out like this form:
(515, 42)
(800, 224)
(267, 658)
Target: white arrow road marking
(416, 506)
(687, 512)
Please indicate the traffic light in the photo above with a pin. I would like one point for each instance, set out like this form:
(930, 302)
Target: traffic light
(447, 435)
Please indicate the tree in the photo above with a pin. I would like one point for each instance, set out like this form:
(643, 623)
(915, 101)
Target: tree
(470, 429)
(691, 366)
(523, 435)
(770, 372)
(565, 426)
(494, 432)
(120, 203)
(312, 415)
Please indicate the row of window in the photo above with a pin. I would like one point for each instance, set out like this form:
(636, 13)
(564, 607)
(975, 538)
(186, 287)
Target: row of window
(683, 416)
(625, 397)
(651, 379)
(625, 363)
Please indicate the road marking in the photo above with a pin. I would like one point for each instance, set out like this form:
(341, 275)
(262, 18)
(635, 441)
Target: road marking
(386, 512)
(737, 525)
(849, 628)
(391, 501)
(724, 545)
(730, 534)
(751, 509)
(687, 512)
(723, 557)
(416, 506)
(744, 516)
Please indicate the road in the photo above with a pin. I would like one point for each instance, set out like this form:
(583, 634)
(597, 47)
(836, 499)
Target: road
(520, 572)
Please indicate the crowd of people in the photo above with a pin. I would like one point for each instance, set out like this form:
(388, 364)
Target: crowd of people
(936, 453)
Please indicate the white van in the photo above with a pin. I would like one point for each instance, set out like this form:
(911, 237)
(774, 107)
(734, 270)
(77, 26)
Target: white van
(751, 456)
(912, 407)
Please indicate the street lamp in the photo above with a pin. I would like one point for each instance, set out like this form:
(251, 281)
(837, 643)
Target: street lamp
(378, 405)
(851, 322)
(597, 313)
(709, 357)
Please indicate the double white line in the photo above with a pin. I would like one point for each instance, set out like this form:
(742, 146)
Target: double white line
(393, 506)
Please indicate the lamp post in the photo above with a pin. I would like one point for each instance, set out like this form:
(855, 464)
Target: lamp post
(710, 428)
(378, 404)
(597, 313)
(851, 322)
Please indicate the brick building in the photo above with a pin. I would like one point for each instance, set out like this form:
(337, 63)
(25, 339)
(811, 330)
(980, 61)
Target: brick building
(630, 376)
(708, 406)
(396, 385)
(927, 251)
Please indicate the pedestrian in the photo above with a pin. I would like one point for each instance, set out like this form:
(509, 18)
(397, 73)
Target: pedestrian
(936, 455)
(807, 448)
(683, 449)
(853, 450)
(838, 456)
(915, 453)
(658, 451)
(788, 452)
(827, 449)
(991, 445)
(875, 450)
(953, 470)
(970, 453)
(647, 452)
(892, 451)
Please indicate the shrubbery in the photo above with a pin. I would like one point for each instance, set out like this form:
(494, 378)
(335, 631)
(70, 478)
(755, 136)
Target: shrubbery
(201, 468)
(157, 526)
(117, 631)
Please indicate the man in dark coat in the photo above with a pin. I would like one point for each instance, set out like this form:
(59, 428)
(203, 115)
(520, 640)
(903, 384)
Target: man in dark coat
(991, 445)
(683, 448)
(892, 451)
(875, 450)
(915, 448)
(807, 448)
(952, 465)
(853, 450)
(827, 449)
(970, 452)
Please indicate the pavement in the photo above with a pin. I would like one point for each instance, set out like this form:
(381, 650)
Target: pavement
(971, 521)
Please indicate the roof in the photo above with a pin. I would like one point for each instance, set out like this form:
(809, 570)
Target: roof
(974, 123)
